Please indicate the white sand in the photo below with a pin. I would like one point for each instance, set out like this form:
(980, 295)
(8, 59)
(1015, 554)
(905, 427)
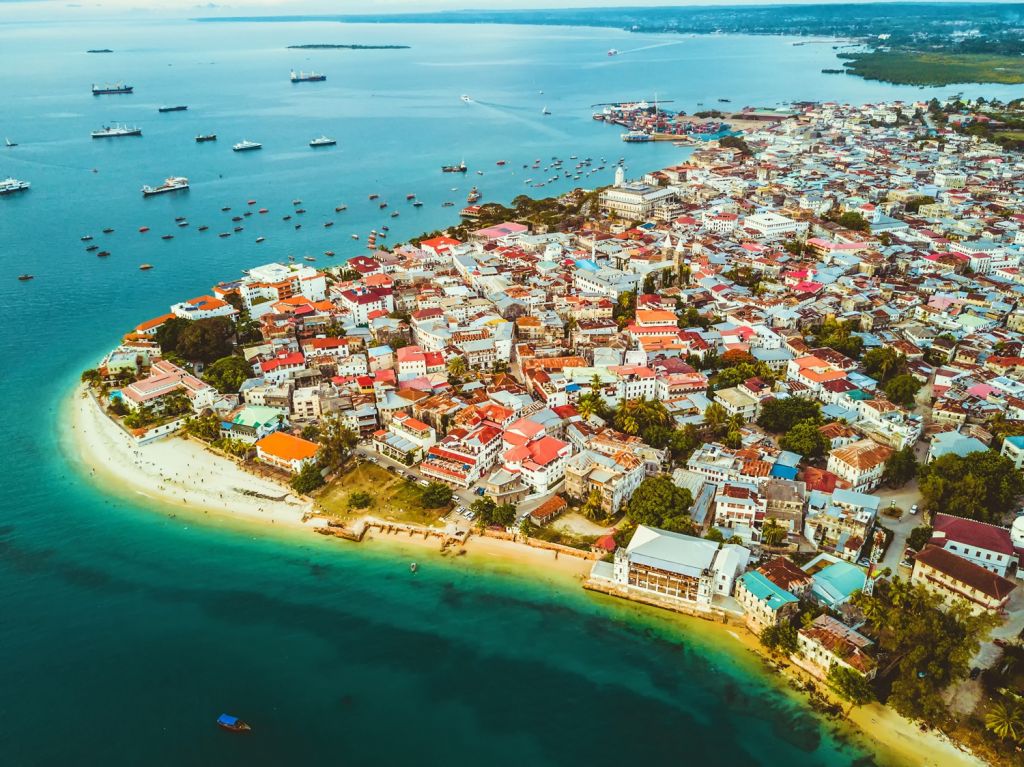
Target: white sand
(175, 470)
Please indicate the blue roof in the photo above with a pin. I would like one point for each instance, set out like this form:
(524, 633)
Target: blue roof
(586, 263)
(227, 719)
(838, 581)
(784, 472)
(766, 591)
(1015, 441)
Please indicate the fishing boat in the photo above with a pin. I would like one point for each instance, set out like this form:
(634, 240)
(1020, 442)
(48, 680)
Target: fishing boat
(108, 230)
(373, 197)
(145, 267)
(308, 258)
(328, 224)
(166, 236)
(203, 137)
(410, 197)
(394, 214)
(182, 223)
(328, 252)
(224, 234)
(355, 236)
(286, 218)
(236, 219)
(26, 277)
(500, 162)
(143, 229)
(340, 208)
(103, 254)
(232, 723)
(225, 209)
(203, 228)
(85, 237)
(382, 205)
(417, 204)
(92, 248)
(263, 210)
(260, 239)
(466, 98)
(239, 228)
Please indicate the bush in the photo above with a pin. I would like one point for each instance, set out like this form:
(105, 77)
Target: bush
(359, 500)
(308, 479)
(436, 494)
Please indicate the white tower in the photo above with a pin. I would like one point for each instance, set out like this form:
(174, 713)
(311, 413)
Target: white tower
(620, 176)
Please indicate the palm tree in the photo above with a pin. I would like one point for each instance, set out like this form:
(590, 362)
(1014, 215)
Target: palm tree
(586, 406)
(457, 367)
(1006, 720)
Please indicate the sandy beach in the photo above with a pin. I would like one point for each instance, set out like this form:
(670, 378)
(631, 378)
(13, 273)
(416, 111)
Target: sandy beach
(182, 473)
(175, 471)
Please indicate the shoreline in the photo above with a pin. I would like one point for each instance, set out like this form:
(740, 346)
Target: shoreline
(179, 473)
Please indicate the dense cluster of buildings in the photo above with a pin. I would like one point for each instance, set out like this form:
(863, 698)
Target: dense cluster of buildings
(468, 359)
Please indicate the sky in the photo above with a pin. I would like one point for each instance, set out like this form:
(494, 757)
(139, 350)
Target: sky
(15, 10)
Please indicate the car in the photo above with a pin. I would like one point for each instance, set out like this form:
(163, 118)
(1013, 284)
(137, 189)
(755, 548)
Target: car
(478, 491)
(975, 672)
(423, 483)
(913, 509)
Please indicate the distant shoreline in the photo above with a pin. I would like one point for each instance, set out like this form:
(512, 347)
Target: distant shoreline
(347, 47)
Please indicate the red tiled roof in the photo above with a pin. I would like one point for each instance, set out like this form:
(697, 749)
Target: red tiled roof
(960, 569)
(973, 533)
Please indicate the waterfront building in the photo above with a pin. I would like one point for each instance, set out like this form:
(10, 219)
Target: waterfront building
(827, 642)
(285, 451)
(957, 579)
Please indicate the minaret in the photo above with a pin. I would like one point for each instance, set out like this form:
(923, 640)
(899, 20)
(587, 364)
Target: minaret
(620, 176)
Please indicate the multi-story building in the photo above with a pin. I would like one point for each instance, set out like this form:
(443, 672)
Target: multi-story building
(988, 546)
(841, 521)
(957, 579)
(826, 643)
(405, 440)
(764, 604)
(613, 477)
(860, 463)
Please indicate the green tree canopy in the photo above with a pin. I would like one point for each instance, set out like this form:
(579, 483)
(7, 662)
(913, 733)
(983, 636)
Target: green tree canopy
(206, 340)
(900, 467)
(308, 479)
(884, 363)
(436, 494)
(924, 644)
(806, 439)
(657, 502)
(850, 685)
(902, 389)
(336, 441)
(780, 638)
(780, 415)
(919, 536)
(983, 485)
(228, 374)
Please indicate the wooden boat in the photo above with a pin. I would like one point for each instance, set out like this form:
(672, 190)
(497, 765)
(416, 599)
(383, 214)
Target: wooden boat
(203, 228)
(103, 254)
(108, 230)
(26, 277)
(143, 229)
(166, 236)
(232, 723)
(328, 224)
(413, 567)
(145, 267)
(339, 208)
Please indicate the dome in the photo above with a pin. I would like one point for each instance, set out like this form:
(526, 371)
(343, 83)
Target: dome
(1017, 532)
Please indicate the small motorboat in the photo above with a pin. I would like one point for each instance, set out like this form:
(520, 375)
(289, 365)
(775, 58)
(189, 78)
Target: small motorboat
(355, 236)
(394, 214)
(300, 210)
(374, 196)
(108, 230)
(236, 218)
(410, 197)
(238, 228)
(296, 202)
(286, 218)
(298, 226)
(328, 224)
(179, 218)
(384, 229)
(91, 248)
(308, 258)
(339, 208)
(247, 213)
(145, 267)
(103, 254)
(260, 239)
(225, 209)
(166, 236)
(143, 229)
(263, 210)
(203, 228)
(413, 567)
(251, 202)
(500, 162)
(328, 252)
(232, 723)
(224, 234)
(183, 223)
(382, 205)
(86, 238)
(417, 204)
(26, 277)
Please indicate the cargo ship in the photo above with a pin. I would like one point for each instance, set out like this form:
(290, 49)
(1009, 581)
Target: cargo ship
(206, 137)
(322, 141)
(473, 196)
(116, 131)
(179, 108)
(307, 77)
(12, 185)
(172, 184)
(246, 146)
(460, 168)
(106, 90)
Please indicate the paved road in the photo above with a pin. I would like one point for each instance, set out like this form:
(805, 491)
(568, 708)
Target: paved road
(904, 497)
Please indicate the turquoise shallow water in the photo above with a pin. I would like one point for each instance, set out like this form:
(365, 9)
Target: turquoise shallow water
(124, 632)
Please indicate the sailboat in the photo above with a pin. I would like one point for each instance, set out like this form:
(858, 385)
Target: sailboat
(9, 143)
(545, 111)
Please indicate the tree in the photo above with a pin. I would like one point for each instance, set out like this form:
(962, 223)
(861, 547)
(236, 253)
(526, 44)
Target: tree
(504, 514)
(436, 494)
(982, 485)
(925, 645)
(92, 377)
(227, 374)
(457, 367)
(1005, 720)
(781, 415)
(526, 526)
(853, 220)
(780, 638)
(900, 467)
(167, 335)
(204, 427)
(637, 416)
(657, 502)
(336, 441)
(839, 336)
(591, 509)
(884, 363)
(714, 534)
(359, 500)
(483, 508)
(735, 357)
(919, 537)
(902, 389)
(206, 340)
(308, 479)
(850, 685)
(806, 439)
(772, 533)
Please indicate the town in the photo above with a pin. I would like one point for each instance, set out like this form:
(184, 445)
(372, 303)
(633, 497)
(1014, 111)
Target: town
(780, 384)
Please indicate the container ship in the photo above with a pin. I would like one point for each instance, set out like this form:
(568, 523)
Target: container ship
(12, 185)
(116, 131)
(105, 90)
(246, 146)
(179, 108)
(307, 77)
(173, 184)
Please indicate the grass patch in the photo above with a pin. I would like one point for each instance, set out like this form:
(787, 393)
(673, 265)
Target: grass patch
(923, 68)
(394, 499)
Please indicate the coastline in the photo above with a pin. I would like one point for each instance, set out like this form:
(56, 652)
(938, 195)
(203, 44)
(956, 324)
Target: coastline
(180, 473)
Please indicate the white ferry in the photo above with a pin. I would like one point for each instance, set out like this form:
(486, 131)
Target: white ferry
(12, 185)
(322, 141)
(116, 131)
(246, 146)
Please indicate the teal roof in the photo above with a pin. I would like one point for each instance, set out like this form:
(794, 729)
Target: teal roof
(766, 591)
(839, 580)
(258, 415)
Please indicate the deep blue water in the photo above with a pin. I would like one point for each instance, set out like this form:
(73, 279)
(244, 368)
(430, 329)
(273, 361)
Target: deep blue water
(123, 631)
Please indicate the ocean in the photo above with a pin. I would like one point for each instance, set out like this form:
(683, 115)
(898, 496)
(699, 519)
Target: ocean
(125, 629)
